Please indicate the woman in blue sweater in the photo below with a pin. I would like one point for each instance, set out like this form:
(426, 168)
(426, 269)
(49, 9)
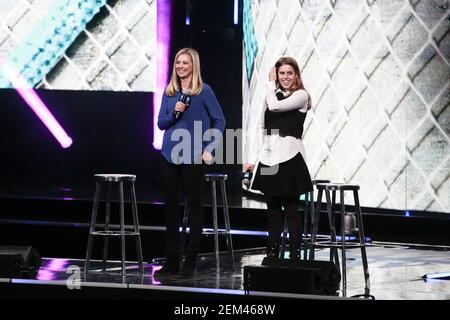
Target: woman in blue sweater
(189, 111)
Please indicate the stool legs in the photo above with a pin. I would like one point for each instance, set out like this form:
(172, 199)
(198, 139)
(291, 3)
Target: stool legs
(107, 233)
(309, 215)
(308, 225)
(108, 210)
(330, 193)
(226, 232)
(215, 224)
(344, 253)
(92, 229)
(331, 221)
(136, 229)
(362, 241)
(122, 228)
(226, 216)
(315, 225)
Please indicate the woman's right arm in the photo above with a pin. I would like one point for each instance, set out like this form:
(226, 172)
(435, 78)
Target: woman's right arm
(165, 118)
(296, 101)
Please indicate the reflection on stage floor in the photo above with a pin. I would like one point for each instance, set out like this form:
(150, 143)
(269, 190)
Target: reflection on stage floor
(396, 272)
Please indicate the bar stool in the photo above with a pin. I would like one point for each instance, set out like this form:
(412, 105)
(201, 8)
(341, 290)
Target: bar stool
(307, 225)
(110, 179)
(213, 178)
(330, 190)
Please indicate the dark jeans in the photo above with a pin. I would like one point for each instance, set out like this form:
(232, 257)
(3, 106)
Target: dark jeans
(188, 177)
(275, 220)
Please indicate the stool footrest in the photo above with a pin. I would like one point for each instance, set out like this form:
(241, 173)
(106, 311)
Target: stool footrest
(308, 237)
(114, 233)
(218, 232)
(338, 244)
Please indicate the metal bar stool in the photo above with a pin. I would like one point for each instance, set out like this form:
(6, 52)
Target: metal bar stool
(110, 179)
(308, 221)
(213, 178)
(330, 193)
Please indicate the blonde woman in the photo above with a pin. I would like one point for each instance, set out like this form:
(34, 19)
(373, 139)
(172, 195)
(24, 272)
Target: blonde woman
(188, 102)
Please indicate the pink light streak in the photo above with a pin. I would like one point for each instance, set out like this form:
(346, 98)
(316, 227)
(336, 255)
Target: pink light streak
(57, 265)
(154, 269)
(163, 23)
(35, 103)
(45, 275)
(48, 272)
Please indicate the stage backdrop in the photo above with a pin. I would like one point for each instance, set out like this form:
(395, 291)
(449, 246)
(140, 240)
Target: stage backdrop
(80, 44)
(93, 64)
(378, 74)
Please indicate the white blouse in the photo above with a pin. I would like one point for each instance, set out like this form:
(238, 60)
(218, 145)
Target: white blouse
(278, 149)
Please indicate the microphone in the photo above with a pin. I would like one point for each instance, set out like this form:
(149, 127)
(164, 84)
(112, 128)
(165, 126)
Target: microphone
(186, 99)
(247, 178)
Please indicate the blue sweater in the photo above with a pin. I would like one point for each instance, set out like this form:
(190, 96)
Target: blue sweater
(184, 140)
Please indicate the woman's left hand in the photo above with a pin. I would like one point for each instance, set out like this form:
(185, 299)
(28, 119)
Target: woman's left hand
(207, 157)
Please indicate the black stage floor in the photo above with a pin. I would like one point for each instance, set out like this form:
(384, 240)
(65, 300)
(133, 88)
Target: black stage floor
(396, 273)
(55, 220)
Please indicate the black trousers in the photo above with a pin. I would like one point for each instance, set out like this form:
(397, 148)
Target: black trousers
(275, 220)
(188, 178)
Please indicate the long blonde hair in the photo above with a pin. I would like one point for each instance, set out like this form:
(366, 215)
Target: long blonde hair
(298, 82)
(196, 87)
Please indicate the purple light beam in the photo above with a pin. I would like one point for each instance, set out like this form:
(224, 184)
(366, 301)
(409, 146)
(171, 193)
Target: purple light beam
(35, 103)
(163, 25)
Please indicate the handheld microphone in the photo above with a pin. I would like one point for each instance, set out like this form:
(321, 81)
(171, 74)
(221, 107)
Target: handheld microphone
(186, 99)
(247, 178)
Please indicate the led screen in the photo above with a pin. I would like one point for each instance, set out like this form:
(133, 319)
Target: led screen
(378, 75)
(80, 44)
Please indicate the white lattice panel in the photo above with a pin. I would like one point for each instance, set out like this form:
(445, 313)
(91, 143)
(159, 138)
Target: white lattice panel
(378, 73)
(114, 52)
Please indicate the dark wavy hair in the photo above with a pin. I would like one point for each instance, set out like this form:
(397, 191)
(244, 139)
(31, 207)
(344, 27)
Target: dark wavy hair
(298, 84)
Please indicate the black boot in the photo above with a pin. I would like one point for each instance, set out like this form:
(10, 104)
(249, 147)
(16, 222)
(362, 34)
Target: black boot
(172, 261)
(273, 251)
(171, 266)
(190, 263)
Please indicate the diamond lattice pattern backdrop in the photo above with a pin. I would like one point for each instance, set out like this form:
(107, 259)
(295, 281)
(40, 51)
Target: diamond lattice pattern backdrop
(114, 52)
(378, 73)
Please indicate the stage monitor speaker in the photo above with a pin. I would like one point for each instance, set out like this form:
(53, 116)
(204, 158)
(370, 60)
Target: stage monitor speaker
(290, 276)
(19, 262)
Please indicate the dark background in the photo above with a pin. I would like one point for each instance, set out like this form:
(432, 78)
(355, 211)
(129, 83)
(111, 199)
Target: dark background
(112, 131)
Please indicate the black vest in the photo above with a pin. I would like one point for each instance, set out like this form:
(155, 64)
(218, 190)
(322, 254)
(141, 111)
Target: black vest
(288, 123)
